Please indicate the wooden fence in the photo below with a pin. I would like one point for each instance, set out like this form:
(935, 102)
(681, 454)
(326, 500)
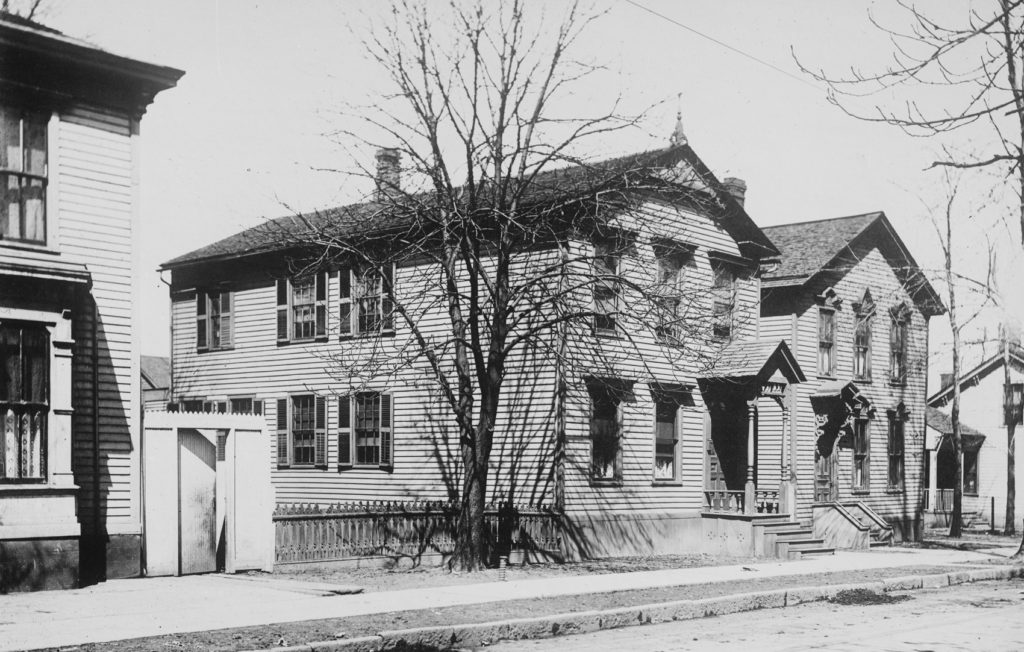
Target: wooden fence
(310, 533)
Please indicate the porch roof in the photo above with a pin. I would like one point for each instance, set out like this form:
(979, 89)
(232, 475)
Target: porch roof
(939, 434)
(43, 264)
(760, 359)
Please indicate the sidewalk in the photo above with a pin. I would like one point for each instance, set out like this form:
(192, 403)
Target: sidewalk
(123, 609)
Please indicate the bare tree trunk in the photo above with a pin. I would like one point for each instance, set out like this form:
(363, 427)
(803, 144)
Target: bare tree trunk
(955, 525)
(1009, 526)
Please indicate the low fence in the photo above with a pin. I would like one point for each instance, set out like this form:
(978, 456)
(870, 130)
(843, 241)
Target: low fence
(345, 531)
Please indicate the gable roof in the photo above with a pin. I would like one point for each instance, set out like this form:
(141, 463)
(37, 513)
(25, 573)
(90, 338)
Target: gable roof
(814, 248)
(558, 185)
(975, 376)
(942, 423)
(156, 372)
(762, 358)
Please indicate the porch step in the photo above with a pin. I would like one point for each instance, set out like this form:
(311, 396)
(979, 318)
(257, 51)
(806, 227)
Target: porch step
(811, 552)
(876, 543)
(795, 548)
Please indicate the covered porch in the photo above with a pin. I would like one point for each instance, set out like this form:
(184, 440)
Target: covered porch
(749, 431)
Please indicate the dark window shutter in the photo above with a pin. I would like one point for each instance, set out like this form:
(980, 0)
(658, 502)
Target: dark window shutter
(345, 432)
(226, 330)
(386, 438)
(321, 304)
(387, 291)
(282, 310)
(257, 407)
(202, 337)
(345, 301)
(320, 450)
(282, 432)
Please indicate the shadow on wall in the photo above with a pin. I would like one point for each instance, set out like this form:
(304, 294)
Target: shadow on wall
(104, 455)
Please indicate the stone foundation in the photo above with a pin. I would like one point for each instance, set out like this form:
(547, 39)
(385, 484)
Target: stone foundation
(39, 564)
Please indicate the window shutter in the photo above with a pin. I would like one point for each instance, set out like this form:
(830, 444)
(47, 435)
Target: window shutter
(282, 432)
(320, 433)
(257, 407)
(321, 304)
(282, 310)
(226, 331)
(387, 289)
(202, 338)
(345, 432)
(345, 301)
(387, 442)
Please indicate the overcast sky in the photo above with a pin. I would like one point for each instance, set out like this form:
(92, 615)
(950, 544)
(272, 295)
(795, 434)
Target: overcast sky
(242, 137)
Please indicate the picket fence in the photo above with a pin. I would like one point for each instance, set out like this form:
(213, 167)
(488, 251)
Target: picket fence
(345, 531)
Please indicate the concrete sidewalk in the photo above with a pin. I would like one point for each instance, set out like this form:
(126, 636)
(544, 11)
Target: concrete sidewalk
(123, 609)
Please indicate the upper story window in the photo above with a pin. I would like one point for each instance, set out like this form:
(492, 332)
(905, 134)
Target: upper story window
(826, 341)
(24, 401)
(899, 328)
(365, 305)
(606, 287)
(672, 263)
(863, 314)
(23, 174)
(1013, 404)
(213, 320)
(723, 290)
(302, 308)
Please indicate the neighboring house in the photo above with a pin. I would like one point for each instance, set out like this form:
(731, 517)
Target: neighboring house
(69, 226)
(156, 382)
(941, 473)
(854, 306)
(983, 394)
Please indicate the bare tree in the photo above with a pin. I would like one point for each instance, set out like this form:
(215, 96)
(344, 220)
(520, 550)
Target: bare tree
(27, 9)
(512, 248)
(976, 62)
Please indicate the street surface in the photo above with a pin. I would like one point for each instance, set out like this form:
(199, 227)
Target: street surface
(987, 617)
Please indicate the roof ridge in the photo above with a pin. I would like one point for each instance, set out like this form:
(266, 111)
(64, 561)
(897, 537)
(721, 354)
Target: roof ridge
(824, 220)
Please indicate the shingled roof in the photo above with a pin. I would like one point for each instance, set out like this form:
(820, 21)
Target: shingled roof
(807, 247)
(558, 185)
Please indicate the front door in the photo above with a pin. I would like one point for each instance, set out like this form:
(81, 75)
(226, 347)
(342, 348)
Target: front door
(826, 489)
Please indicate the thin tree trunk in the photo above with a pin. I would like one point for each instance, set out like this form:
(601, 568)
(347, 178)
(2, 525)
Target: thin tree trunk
(955, 525)
(1010, 525)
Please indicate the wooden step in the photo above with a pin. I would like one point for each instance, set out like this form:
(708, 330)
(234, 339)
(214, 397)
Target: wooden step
(880, 544)
(811, 552)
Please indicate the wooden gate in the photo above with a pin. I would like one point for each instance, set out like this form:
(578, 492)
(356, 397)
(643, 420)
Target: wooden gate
(826, 488)
(197, 508)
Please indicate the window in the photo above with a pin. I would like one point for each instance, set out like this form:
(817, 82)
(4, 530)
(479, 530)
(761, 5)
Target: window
(606, 288)
(22, 176)
(896, 440)
(864, 312)
(898, 344)
(971, 472)
(302, 431)
(246, 405)
(24, 401)
(213, 320)
(672, 262)
(365, 300)
(365, 430)
(1013, 404)
(666, 440)
(723, 290)
(861, 457)
(826, 342)
(302, 308)
(605, 432)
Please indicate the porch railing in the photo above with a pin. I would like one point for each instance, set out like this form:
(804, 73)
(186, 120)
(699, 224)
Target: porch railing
(766, 501)
(938, 500)
(311, 533)
(723, 500)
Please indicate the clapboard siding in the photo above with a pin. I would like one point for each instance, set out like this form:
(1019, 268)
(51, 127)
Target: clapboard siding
(874, 273)
(95, 212)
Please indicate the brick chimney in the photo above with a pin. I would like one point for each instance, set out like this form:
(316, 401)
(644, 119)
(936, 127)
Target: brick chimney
(736, 187)
(389, 172)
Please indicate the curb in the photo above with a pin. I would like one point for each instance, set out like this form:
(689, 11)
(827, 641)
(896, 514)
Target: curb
(479, 634)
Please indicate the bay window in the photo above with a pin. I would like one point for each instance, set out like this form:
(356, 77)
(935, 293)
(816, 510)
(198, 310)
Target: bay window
(24, 401)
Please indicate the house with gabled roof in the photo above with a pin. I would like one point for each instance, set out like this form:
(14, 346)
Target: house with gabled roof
(991, 415)
(854, 305)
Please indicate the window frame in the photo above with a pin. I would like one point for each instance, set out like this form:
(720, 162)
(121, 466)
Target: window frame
(598, 394)
(675, 258)
(827, 347)
(256, 405)
(205, 320)
(350, 315)
(606, 291)
(970, 478)
(861, 457)
(286, 309)
(899, 343)
(896, 450)
(677, 418)
(36, 408)
(285, 419)
(724, 290)
(1013, 404)
(23, 174)
(348, 413)
(863, 336)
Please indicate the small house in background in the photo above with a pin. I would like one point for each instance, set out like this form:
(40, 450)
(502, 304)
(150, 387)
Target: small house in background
(990, 413)
(156, 382)
(70, 420)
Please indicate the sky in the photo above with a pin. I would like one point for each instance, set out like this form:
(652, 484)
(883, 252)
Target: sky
(245, 135)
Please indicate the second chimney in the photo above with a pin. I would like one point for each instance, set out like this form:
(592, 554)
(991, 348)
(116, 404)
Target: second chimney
(736, 187)
(389, 173)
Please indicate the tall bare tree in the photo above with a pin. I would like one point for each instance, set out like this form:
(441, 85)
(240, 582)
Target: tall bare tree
(976, 61)
(483, 198)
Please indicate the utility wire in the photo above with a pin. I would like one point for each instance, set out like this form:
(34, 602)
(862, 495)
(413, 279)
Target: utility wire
(724, 45)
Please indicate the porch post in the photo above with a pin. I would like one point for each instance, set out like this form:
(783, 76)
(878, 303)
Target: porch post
(749, 495)
(933, 478)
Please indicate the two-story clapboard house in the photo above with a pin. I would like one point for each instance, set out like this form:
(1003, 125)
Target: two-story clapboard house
(69, 354)
(854, 305)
